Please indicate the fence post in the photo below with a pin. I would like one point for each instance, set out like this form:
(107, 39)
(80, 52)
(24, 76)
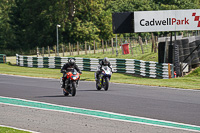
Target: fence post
(112, 45)
(99, 46)
(155, 46)
(70, 49)
(37, 51)
(140, 42)
(120, 42)
(42, 51)
(153, 42)
(72, 46)
(106, 45)
(131, 47)
(48, 52)
(78, 48)
(182, 34)
(85, 48)
(102, 42)
(55, 50)
(63, 50)
(66, 50)
(94, 46)
(145, 40)
(135, 47)
(146, 43)
(89, 48)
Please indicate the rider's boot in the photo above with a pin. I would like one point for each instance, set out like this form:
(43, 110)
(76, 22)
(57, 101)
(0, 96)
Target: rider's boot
(63, 85)
(96, 77)
(77, 82)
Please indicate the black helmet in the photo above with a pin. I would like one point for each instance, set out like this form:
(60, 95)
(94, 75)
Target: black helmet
(71, 62)
(106, 60)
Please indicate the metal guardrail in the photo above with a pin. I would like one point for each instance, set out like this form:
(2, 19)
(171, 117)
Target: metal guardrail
(132, 66)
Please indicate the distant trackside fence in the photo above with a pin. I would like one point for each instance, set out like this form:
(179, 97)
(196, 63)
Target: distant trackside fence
(132, 66)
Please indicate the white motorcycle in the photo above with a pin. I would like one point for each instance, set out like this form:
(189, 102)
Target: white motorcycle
(104, 78)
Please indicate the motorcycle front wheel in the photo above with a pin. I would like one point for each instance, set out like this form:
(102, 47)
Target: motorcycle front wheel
(106, 84)
(73, 91)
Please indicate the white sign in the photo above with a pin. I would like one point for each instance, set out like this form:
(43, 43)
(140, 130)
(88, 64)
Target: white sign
(166, 20)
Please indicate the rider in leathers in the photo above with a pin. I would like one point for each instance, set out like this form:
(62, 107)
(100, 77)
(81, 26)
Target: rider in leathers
(66, 67)
(104, 62)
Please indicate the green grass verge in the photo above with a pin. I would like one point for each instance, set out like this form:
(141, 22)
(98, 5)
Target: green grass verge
(191, 81)
(145, 56)
(11, 130)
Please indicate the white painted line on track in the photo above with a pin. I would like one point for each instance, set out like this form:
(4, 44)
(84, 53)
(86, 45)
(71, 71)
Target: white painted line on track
(19, 129)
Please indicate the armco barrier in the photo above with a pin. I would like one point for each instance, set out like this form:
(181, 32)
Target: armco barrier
(2, 58)
(137, 67)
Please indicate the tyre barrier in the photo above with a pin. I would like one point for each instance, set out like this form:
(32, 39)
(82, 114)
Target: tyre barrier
(185, 43)
(192, 45)
(189, 46)
(176, 59)
(137, 67)
(185, 50)
(181, 54)
(198, 49)
(2, 58)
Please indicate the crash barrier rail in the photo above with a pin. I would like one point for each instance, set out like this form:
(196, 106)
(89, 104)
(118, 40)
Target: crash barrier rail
(2, 58)
(132, 66)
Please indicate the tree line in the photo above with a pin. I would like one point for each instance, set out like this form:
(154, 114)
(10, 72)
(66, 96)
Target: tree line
(27, 24)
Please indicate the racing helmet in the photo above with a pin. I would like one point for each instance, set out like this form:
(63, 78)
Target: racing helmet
(106, 60)
(71, 62)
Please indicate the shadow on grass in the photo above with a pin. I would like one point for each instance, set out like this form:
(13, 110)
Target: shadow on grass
(10, 64)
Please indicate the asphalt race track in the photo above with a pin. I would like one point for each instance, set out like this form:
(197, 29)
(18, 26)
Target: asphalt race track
(168, 104)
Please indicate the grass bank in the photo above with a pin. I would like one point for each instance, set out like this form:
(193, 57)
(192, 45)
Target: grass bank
(11, 130)
(191, 81)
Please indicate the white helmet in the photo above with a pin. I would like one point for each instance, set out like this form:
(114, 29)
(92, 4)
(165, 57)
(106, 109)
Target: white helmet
(106, 60)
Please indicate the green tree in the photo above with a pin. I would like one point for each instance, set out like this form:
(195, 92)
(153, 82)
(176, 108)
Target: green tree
(177, 4)
(34, 22)
(25, 24)
(91, 21)
(5, 30)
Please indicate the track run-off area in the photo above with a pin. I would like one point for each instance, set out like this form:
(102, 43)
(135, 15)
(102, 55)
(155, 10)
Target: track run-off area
(38, 104)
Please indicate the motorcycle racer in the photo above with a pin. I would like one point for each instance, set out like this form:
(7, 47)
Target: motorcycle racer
(66, 67)
(104, 62)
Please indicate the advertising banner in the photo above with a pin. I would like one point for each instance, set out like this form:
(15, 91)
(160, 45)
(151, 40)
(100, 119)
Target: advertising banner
(166, 20)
